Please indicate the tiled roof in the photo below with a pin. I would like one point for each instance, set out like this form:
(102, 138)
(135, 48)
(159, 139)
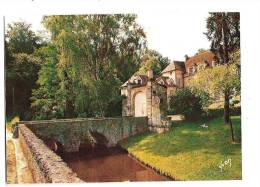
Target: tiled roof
(134, 80)
(165, 81)
(175, 65)
(206, 56)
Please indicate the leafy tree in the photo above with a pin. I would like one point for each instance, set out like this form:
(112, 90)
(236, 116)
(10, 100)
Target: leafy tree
(153, 60)
(185, 102)
(47, 98)
(22, 66)
(223, 80)
(201, 50)
(223, 30)
(95, 55)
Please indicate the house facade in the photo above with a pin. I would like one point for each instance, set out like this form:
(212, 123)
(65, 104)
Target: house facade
(148, 95)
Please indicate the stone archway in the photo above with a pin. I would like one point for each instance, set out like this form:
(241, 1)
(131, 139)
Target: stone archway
(140, 108)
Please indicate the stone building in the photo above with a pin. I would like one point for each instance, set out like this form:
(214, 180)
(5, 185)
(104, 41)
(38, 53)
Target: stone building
(148, 95)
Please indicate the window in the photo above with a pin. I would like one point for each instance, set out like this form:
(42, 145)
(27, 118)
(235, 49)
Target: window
(191, 70)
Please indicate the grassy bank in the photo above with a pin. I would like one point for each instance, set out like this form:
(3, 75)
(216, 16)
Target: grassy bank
(11, 163)
(10, 121)
(190, 152)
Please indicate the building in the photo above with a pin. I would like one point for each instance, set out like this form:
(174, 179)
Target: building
(148, 95)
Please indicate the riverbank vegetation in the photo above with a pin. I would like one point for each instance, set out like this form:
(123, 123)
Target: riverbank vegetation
(78, 69)
(192, 151)
(11, 163)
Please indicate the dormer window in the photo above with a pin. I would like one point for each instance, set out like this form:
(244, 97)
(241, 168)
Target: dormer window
(137, 80)
(161, 82)
(191, 70)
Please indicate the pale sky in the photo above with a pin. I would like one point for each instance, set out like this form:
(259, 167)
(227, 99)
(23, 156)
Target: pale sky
(171, 33)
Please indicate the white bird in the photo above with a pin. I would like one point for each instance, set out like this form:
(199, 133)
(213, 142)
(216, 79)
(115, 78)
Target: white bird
(204, 126)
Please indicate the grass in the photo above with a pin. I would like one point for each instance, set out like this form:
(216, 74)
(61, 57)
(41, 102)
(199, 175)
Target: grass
(11, 122)
(190, 152)
(11, 163)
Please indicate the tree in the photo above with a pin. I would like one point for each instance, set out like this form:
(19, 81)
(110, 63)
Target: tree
(223, 30)
(201, 50)
(48, 99)
(22, 66)
(185, 102)
(153, 60)
(223, 80)
(95, 55)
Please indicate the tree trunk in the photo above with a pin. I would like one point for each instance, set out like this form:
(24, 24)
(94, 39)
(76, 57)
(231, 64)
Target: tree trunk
(227, 118)
(13, 103)
(232, 132)
(226, 109)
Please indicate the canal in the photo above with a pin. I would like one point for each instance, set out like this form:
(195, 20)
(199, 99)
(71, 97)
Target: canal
(108, 165)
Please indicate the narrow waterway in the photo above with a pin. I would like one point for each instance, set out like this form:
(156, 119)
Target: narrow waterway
(109, 165)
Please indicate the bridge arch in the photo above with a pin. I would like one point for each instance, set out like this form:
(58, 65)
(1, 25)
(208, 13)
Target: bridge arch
(53, 145)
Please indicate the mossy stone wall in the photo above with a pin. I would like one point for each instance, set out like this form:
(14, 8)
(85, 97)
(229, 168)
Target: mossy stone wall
(72, 132)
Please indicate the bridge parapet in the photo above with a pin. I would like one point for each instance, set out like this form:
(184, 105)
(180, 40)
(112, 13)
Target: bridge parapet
(72, 132)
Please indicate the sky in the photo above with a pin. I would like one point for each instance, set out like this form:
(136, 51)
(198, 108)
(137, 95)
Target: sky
(171, 33)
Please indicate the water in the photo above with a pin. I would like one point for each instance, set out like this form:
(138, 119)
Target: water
(109, 165)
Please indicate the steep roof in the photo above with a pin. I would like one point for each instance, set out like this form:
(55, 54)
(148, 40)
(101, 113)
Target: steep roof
(165, 81)
(206, 56)
(175, 65)
(132, 80)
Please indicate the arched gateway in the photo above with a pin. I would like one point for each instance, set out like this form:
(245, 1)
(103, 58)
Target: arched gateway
(140, 104)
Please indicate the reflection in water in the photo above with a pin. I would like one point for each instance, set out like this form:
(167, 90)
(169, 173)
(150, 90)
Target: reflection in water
(108, 165)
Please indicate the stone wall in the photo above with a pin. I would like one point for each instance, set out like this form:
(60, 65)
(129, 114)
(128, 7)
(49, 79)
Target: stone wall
(45, 165)
(71, 133)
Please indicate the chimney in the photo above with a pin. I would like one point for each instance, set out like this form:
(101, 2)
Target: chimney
(186, 57)
(150, 74)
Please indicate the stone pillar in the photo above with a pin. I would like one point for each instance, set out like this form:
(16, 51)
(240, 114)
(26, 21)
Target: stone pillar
(129, 101)
(149, 101)
(126, 103)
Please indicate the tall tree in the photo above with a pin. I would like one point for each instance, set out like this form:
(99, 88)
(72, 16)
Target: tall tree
(95, 54)
(22, 66)
(223, 30)
(153, 60)
(223, 80)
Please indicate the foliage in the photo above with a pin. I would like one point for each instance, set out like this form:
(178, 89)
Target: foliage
(223, 30)
(184, 102)
(219, 80)
(218, 112)
(21, 39)
(189, 147)
(22, 65)
(11, 122)
(201, 50)
(94, 55)
(47, 99)
(152, 60)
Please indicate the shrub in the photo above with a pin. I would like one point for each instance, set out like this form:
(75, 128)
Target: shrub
(219, 112)
(184, 102)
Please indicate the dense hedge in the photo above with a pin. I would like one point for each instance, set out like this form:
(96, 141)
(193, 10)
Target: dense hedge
(185, 102)
(213, 113)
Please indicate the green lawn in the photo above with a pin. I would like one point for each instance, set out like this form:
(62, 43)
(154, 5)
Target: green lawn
(190, 152)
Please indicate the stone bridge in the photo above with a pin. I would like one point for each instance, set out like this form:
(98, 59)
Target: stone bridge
(71, 133)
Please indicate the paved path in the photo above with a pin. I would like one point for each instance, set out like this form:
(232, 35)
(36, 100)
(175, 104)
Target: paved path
(23, 173)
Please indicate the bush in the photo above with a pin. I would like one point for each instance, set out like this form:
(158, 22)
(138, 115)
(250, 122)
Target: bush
(184, 102)
(219, 112)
